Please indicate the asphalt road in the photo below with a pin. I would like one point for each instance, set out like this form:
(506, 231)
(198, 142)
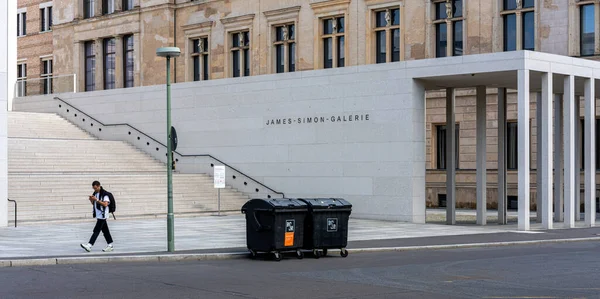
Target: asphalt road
(570, 270)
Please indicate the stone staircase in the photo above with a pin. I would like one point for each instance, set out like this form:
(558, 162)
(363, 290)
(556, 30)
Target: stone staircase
(52, 163)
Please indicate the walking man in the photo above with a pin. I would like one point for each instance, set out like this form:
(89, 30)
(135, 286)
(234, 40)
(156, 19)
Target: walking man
(100, 201)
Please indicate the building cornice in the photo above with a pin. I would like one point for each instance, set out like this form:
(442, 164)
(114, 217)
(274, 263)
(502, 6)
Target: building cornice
(329, 4)
(282, 11)
(244, 19)
(203, 25)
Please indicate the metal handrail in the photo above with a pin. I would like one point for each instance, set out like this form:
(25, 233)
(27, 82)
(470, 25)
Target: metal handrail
(163, 145)
(15, 202)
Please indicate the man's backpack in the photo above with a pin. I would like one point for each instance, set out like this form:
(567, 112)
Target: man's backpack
(112, 206)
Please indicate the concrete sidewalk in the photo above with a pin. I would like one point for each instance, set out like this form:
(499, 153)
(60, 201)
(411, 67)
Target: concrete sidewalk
(212, 236)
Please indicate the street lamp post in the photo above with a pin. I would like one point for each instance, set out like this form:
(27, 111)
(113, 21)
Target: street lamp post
(169, 52)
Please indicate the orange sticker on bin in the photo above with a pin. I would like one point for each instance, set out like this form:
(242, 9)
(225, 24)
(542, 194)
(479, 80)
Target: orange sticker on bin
(289, 239)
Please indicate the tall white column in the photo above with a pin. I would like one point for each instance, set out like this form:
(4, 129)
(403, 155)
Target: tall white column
(523, 141)
(569, 154)
(590, 153)
(501, 155)
(538, 173)
(481, 156)
(450, 158)
(8, 76)
(558, 159)
(545, 152)
(578, 145)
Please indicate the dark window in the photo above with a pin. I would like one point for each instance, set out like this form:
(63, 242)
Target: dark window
(441, 146)
(280, 58)
(510, 32)
(46, 19)
(236, 63)
(127, 5)
(328, 53)
(441, 42)
(240, 52)
(333, 40)
(43, 20)
(440, 11)
(441, 29)
(109, 63)
(46, 76)
(89, 8)
(200, 58)
(108, 6)
(292, 57)
(396, 45)
(457, 8)
(340, 51)
(22, 24)
(512, 148)
(380, 47)
(49, 9)
(597, 144)
(588, 32)
(246, 62)
(90, 66)
(510, 4)
(458, 38)
(285, 44)
(528, 31)
(380, 37)
(128, 69)
(528, 3)
(21, 80)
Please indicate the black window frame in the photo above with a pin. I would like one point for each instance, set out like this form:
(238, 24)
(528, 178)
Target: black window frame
(582, 40)
(444, 25)
(109, 47)
(128, 61)
(198, 55)
(241, 64)
(334, 41)
(90, 65)
(285, 48)
(441, 146)
(512, 145)
(46, 76)
(387, 36)
(89, 8)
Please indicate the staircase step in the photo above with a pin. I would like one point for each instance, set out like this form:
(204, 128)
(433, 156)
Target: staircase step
(52, 159)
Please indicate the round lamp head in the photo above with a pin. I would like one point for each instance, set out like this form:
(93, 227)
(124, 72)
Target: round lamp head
(168, 52)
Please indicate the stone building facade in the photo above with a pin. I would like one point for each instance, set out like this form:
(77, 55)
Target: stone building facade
(111, 44)
(35, 48)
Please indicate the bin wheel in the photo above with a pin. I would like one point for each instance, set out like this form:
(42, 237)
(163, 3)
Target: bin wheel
(324, 252)
(316, 253)
(344, 252)
(277, 256)
(253, 254)
(299, 254)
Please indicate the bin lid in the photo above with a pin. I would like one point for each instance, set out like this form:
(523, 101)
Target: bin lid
(274, 204)
(327, 203)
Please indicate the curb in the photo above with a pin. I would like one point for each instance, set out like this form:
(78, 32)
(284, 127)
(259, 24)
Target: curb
(24, 262)
(473, 245)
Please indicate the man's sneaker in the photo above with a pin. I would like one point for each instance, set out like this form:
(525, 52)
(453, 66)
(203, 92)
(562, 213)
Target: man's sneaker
(108, 248)
(87, 247)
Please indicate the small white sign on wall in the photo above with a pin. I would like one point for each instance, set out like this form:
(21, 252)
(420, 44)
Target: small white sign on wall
(219, 177)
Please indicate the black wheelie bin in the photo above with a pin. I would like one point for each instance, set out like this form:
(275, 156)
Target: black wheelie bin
(326, 225)
(275, 226)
